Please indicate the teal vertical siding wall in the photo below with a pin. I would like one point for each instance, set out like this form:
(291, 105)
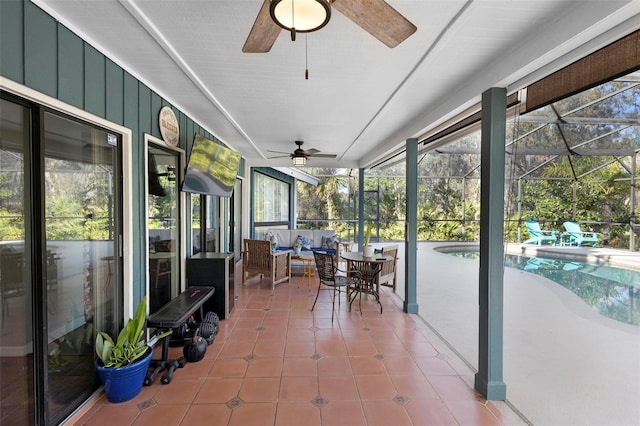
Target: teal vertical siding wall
(40, 53)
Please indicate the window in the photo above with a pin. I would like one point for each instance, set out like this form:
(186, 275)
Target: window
(270, 203)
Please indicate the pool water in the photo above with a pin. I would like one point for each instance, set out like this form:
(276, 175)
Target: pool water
(613, 292)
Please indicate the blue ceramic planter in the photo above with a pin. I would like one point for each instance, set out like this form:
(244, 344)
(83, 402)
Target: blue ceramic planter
(124, 383)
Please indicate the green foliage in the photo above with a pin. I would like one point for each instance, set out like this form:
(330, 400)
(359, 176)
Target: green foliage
(602, 197)
(73, 347)
(130, 344)
(368, 229)
(11, 225)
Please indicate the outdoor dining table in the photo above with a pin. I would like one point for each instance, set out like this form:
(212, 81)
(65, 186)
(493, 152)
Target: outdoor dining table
(367, 284)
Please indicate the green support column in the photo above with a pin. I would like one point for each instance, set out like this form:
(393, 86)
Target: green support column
(488, 380)
(411, 228)
(360, 208)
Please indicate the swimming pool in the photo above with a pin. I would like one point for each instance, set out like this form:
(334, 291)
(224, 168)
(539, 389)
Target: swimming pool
(613, 292)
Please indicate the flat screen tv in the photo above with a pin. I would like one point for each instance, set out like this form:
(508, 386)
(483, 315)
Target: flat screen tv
(212, 168)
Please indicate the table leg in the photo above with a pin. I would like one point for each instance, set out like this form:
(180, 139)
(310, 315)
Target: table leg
(308, 273)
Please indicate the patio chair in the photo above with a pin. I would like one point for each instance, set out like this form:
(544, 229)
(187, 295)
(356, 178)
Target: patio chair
(575, 236)
(538, 235)
(387, 275)
(257, 259)
(327, 272)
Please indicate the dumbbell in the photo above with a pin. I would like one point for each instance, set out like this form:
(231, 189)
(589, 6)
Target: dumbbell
(208, 332)
(212, 318)
(160, 365)
(173, 364)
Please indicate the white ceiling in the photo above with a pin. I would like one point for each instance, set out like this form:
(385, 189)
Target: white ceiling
(362, 99)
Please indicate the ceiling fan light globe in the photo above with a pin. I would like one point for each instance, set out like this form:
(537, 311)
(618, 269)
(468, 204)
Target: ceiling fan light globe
(299, 161)
(305, 15)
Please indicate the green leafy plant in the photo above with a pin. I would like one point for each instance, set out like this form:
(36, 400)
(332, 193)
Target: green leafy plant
(368, 229)
(130, 344)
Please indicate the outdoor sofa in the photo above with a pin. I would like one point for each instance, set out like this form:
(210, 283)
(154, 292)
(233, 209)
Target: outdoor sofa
(325, 240)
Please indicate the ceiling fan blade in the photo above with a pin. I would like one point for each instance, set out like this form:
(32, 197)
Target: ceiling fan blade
(279, 152)
(281, 156)
(378, 18)
(323, 155)
(263, 33)
(311, 151)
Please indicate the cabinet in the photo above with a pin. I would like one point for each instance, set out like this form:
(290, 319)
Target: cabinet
(217, 270)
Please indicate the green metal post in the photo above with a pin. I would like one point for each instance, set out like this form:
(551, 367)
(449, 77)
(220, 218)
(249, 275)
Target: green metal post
(360, 208)
(411, 228)
(488, 380)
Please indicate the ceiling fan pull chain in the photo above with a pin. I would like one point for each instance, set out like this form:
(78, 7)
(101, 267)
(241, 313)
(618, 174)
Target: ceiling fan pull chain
(293, 22)
(306, 58)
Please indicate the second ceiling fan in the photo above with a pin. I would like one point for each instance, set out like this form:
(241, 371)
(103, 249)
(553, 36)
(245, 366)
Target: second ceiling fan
(300, 156)
(375, 16)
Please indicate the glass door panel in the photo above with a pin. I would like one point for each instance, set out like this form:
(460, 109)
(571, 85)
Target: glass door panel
(210, 222)
(81, 259)
(16, 337)
(196, 208)
(163, 221)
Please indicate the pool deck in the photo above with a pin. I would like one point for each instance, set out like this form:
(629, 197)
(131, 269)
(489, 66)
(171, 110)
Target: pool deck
(564, 364)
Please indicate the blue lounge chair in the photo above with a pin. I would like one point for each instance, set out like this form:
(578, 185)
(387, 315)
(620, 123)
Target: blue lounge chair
(575, 236)
(538, 235)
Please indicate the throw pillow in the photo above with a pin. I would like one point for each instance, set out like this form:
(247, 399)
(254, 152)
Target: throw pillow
(304, 242)
(270, 236)
(329, 242)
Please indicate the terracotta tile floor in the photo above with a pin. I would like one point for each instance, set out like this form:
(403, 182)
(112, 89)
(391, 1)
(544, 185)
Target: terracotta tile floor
(274, 362)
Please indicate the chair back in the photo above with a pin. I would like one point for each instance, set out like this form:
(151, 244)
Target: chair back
(12, 266)
(367, 270)
(533, 227)
(257, 253)
(389, 268)
(325, 267)
(572, 228)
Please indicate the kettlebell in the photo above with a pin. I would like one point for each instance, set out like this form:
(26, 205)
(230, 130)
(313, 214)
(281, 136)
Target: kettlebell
(195, 348)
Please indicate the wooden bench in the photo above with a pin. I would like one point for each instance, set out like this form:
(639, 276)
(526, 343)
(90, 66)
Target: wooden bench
(257, 259)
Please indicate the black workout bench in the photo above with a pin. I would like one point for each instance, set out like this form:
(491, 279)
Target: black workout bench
(173, 315)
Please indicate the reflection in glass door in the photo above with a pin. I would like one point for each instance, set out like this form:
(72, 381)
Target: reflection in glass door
(163, 221)
(60, 272)
(16, 337)
(81, 269)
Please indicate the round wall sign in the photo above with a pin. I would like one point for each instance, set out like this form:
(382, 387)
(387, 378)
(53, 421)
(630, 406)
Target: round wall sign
(169, 126)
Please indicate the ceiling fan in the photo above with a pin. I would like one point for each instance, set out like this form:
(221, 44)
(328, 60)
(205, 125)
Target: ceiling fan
(299, 156)
(374, 16)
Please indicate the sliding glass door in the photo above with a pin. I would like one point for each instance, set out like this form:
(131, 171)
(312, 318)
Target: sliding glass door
(60, 267)
(81, 265)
